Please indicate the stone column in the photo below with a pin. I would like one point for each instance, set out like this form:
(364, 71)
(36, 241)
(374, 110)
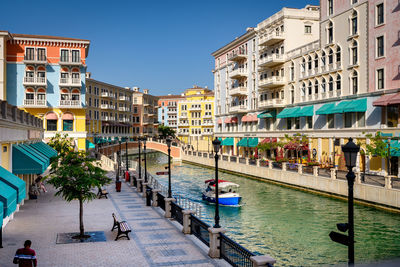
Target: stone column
(155, 199)
(315, 171)
(300, 168)
(258, 162)
(333, 174)
(270, 164)
(215, 242)
(144, 185)
(139, 185)
(283, 166)
(388, 181)
(262, 261)
(186, 221)
(358, 177)
(168, 207)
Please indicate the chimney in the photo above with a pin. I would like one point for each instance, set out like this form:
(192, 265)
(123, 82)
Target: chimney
(146, 91)
(88, 75)
(135, 89)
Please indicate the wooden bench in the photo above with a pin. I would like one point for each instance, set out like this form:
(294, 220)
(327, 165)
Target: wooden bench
(102, 193)
(123, 228)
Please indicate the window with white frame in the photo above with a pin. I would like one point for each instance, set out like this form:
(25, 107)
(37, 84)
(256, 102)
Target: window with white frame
(354, 53)
(380, 14)
(354, 82)
(380, 79)
(307, 29)
(354, 23)
(330, 7)
(380, 46)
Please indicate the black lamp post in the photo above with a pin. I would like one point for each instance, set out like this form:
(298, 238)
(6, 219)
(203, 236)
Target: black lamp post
(145, 161)
(169, 140)
(388, 159)
(350, 151)
(126, 154)
(217, 145)
(140, 164)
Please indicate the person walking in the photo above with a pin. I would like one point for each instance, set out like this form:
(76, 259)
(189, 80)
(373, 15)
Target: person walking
(25, 257)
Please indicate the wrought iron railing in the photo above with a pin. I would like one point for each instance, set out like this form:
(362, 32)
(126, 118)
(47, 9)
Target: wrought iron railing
(252, 162)
(242, 160)
(200, 229)
(292, 167)
(225, 157)
(234, 253)
(161, 201)
(264, 163)
(194, 153)
(176, 212)
(233, 159)
(277, 165)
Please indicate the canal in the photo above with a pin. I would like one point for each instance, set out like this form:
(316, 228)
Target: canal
(290, 225)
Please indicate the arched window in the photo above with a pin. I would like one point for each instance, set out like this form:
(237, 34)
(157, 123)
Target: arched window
(323, 85)
(330, 83)
(29, 97)
(316, 86)
(330, 56)
(354, 82)
(303, 65)
(64, 75)
(338, 82)
(75, 97)
(68, 121)
(316, 61)
(309, 62)
(51, 121)
(75, 75)
(41, 74)
(354, 53)
(309, 88)
(330, 32)
(65, 94)
(292, 94)
(338, 54)
(354, 23)
(292, 72)
(323, 58)
(41, 96)
(303, 89)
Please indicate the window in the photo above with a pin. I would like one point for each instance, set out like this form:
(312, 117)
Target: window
(380, 19)
(354, 52)
(354, 23)
(338, 54)
(323, 58)
(30, 53)
(392, 116)
(380, 46)
(309, 63)
(330, 56)
(292, 72)
(361, 119)
(354, 2)
(51, 125)
(330, 32)
(297, 123)
(331, 120)
(41, 54)
(68, 125)
(338, 82)
(330, 7)
(64, 55)
(309, 88)
(323, 85)
(330, 84)
(307, 29)
(354, 82)
(316, 87)
(380, 79)
(289, 123)
(316, 61)
(348, 119)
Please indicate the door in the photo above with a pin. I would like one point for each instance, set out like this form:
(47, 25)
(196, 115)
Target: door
(394, 166)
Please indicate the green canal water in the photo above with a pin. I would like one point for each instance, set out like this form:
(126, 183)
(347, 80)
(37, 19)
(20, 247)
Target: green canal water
(290, 225)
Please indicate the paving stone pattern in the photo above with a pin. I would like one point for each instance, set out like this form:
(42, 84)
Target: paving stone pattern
(155, 241)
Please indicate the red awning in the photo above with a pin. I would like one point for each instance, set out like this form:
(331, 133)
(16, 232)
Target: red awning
(253, 117)
(249, 118)
(227, 120)
(245, 118)
(234, 120)
(383, 101)
(269, 140)
(219, 121)
(51, 116)
(67, 116)
(394, 100)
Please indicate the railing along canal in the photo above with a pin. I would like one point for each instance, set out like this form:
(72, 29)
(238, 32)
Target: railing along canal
(200, 229)
(234, 253)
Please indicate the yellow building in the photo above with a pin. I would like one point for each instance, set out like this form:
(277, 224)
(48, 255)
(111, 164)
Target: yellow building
(196, 118)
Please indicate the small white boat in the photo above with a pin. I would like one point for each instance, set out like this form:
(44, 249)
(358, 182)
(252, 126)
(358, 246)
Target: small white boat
(227, 194)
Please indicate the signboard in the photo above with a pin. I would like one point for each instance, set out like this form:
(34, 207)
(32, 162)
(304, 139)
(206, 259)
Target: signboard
(339, 238)
(162, 173)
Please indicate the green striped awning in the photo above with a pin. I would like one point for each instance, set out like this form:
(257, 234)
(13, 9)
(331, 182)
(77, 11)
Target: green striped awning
(306, 111)
(267, 114)
(25, 162)
(36, 153)
(1, 213)
(341, 106)
(358, 105)
(44, 151)
(253, 142)
(15, 182)
(8, 196)
(289, 112)
(47, 148)
(326, 109)
(227, 141)
(242, 142)
(89, 145)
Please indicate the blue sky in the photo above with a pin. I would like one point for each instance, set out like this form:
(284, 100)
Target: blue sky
(163, 45)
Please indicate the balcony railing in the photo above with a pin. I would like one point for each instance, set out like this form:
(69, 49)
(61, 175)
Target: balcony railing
(238, 91)
(238, 55)
(271, 82)
(38, 81)
(123, 109)
(208, 124)
(106, 118)
(32, 59)
(123, 98)
(184, 124)
(70, 103)
(270, 103)
(70, 82)
(70, 61)
(238, 108)
(272, 60)
(207, 133)
(195, 108)
(271, 38)
(105, 106)
(105, 94)
(35, 102)
(183, 133)
(238, 73)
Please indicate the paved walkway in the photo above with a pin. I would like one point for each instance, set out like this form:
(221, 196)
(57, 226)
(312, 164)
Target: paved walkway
(155, 241)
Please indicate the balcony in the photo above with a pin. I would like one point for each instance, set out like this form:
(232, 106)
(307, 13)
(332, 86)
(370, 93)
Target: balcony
(106, 118)
(35, 81)
(183, 116)
(183, 133)
(271, 60)
(272, 82)
(271, 38)
(238, 73)
(208, 116)
(35, 103)
(145, 104)
(271, 103)
(195, 108)
(208, 124)
(31, 59)
(123, 98)
(207, 133)
(123, 109)
(237, 55)
(106, 94)
(171, 111)
(183, 124)
(71, 82)
(238, 109)
(70, 61)
(106, 106)
(70, 103)
(124, 120)
(237, 91)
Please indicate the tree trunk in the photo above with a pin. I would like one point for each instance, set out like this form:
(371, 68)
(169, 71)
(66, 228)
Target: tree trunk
(81, 229)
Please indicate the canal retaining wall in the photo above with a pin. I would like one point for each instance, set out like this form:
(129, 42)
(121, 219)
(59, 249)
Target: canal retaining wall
(386, 197)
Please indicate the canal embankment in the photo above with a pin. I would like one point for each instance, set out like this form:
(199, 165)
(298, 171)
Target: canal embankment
(384, 197)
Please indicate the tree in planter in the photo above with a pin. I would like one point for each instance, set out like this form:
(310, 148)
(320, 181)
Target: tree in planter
(75, 175)
(61, 143)
(378, 146)
(165, 131)
(264, 147)
(295, 142)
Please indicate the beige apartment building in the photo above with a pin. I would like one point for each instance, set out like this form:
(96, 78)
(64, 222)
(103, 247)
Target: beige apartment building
(145, 112)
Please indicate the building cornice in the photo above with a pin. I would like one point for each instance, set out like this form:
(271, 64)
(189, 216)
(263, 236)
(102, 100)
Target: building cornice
(241, 39)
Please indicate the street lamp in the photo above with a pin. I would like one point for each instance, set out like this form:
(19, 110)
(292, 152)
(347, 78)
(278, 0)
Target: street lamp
(388, 159)
(145, 162)
(217, 145)
(140, 164)
(350, 151)
(169, 140)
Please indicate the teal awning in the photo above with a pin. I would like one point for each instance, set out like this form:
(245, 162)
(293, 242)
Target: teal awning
(26, 163)
(267, 114)
(116, 139)
(1, 213)
(307, 111)
(123, 139)
(358, 105)
(289, 112)
(228, 141)
(89, 144)
(341, 106)
(15, 182)
(242, 142)
(253, 142)
(37, 154)
(44, 151)
(326, 109)
(8, 196)
(386, 134)
(46, 147)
